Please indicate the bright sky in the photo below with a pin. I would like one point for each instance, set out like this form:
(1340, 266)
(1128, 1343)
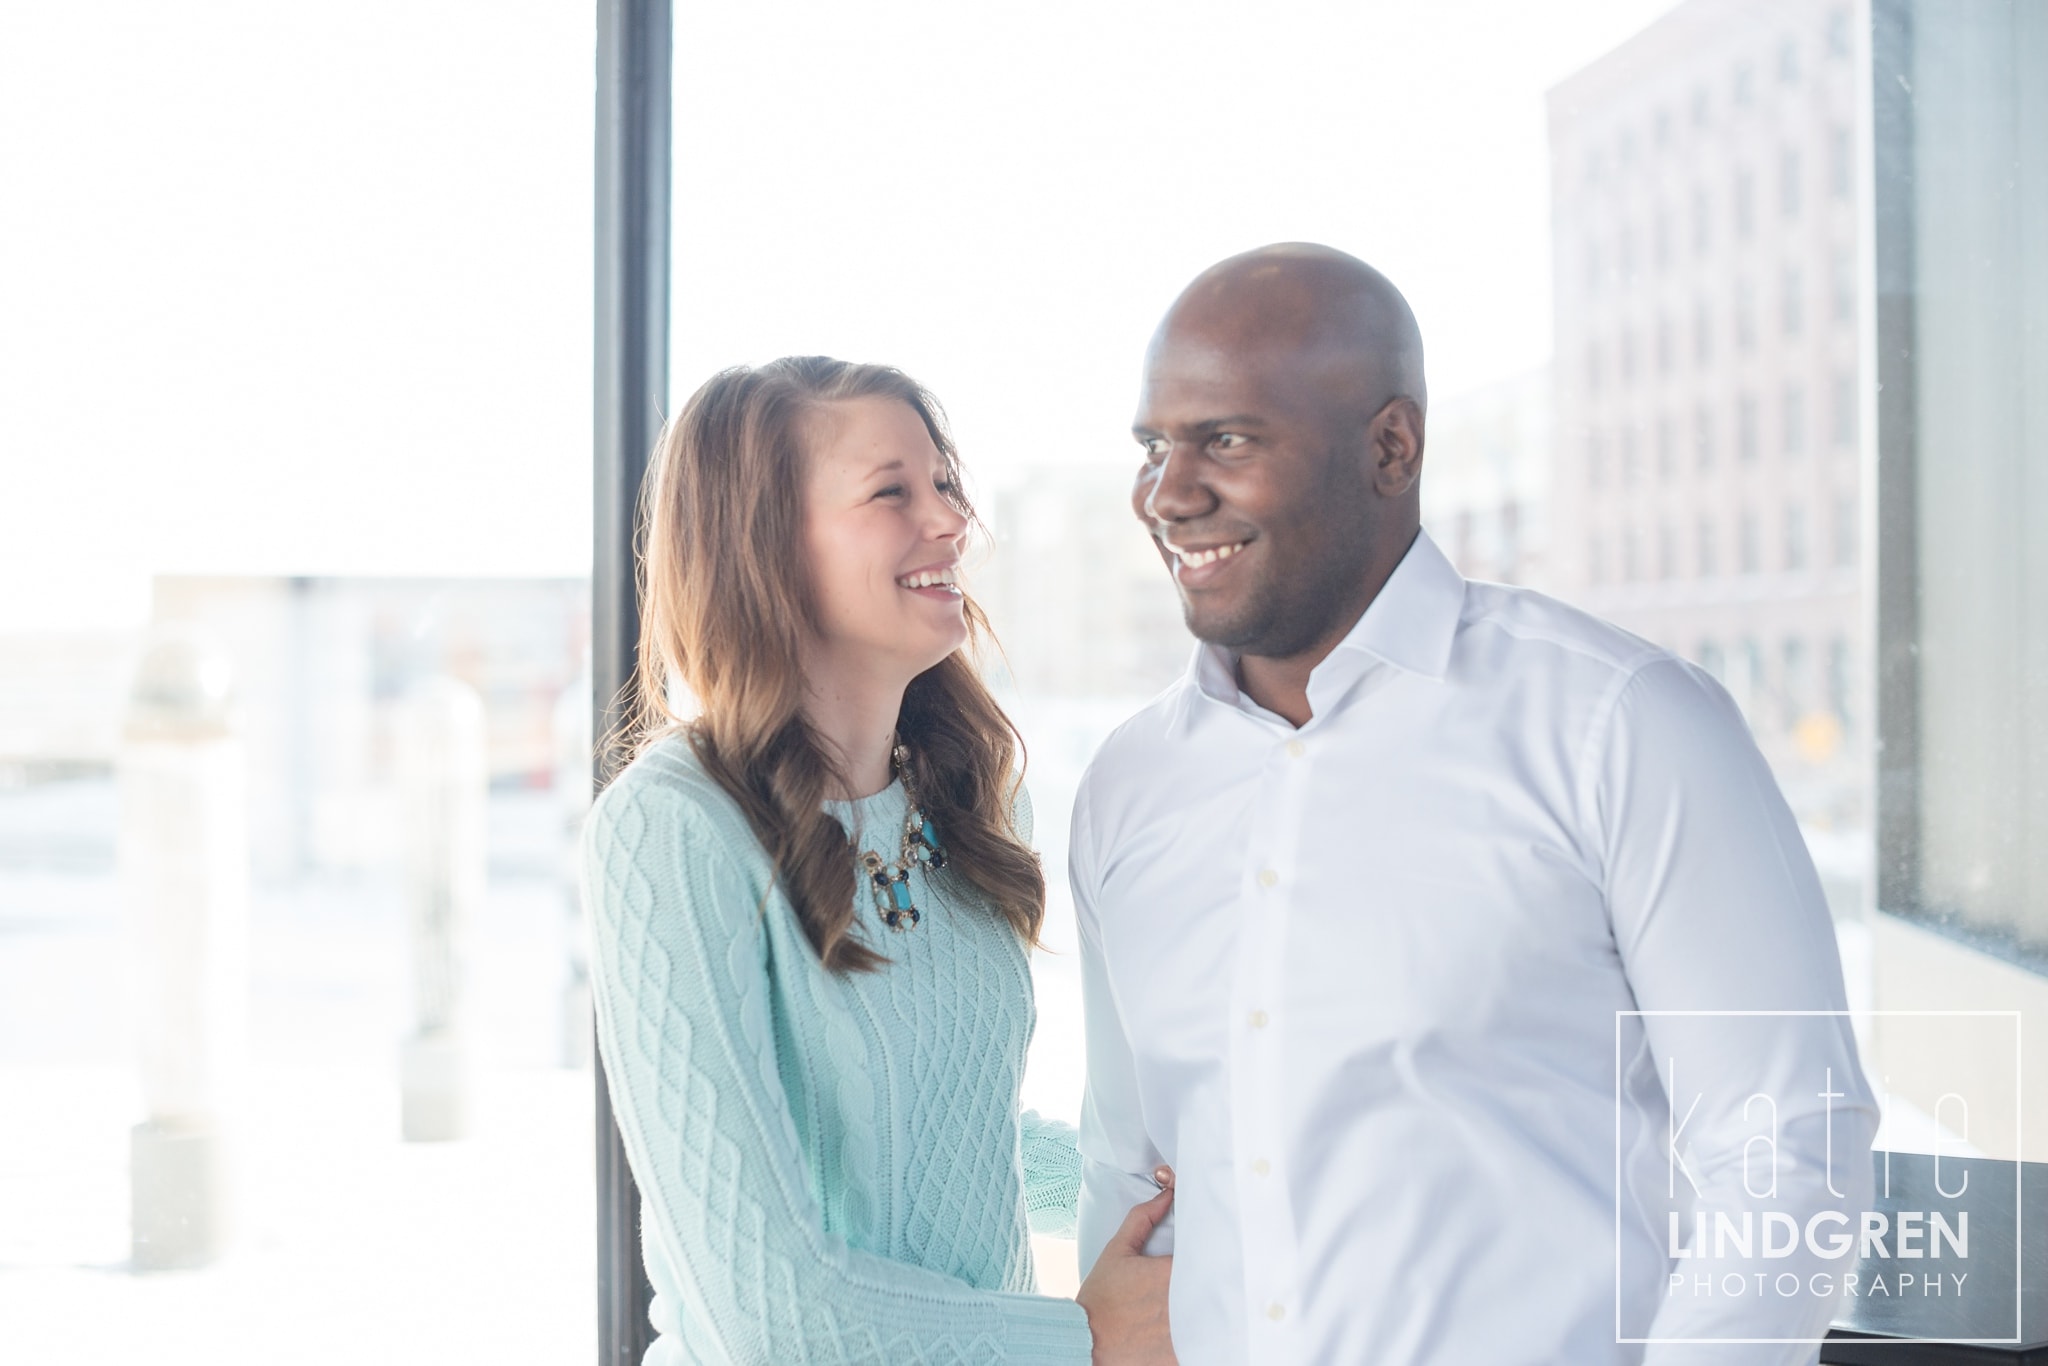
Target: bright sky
(305, 288)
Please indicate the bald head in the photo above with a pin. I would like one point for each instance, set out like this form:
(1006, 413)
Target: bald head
(1281, 416)
(1311, 309)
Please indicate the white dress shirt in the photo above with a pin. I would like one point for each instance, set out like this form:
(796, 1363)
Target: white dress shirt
(1366, 984)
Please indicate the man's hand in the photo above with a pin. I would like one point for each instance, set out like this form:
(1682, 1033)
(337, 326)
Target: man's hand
(1125, 1293)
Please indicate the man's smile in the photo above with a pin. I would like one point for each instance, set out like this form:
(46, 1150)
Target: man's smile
(1194, 565)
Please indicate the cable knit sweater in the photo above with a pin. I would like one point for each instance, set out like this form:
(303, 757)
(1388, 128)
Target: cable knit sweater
(832, 1167)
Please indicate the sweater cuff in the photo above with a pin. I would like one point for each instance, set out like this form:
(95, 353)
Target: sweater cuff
(1044, 1330)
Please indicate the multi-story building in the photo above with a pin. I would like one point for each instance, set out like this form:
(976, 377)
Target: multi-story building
(1486, 479)
(1705, 488)
(1075, 588)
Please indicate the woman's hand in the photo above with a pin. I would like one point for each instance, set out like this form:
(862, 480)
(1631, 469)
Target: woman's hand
(1125, 1293)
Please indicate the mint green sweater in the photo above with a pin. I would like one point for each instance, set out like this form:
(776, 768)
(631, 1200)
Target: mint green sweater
(832, 1168)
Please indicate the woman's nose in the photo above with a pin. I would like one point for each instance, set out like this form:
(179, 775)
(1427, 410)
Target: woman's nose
(949, 523)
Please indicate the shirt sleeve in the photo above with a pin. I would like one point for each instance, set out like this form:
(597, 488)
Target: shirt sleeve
(1118, 1156)
(681, 989)
(1718, 913)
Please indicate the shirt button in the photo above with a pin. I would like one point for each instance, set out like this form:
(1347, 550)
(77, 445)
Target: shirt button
(1257, 1019)
(1268, 878)
(1276, 1312)
(1295, 749)
(1261, 1167)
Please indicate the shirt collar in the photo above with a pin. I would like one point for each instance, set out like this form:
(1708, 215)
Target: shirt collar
(1411, 624)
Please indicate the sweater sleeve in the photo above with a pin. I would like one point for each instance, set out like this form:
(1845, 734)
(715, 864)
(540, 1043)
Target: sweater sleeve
(1052, 1175)
(1052, 1163)
(682, 996)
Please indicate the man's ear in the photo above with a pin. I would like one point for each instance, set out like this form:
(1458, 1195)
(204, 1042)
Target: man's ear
(1396, 435)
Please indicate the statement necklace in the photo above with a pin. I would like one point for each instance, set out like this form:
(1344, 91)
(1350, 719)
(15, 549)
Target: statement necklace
(890, 882)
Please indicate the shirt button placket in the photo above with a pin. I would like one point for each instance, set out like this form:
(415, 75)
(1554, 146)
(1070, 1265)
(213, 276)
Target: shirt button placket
(1259, 1136)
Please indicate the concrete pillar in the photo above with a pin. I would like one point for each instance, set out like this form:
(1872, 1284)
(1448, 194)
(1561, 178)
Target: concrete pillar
(573, 758)
(444, 782)
(184, 859)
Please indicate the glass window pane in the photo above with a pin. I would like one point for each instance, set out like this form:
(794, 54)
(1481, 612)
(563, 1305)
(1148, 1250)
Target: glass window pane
(293, 735)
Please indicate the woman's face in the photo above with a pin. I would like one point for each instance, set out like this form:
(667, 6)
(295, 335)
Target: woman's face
(883, 537)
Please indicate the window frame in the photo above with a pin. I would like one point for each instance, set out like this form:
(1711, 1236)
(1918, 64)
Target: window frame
(630, 282)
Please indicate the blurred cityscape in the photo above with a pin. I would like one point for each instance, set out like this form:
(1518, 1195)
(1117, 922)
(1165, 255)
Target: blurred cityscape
(1688, 466)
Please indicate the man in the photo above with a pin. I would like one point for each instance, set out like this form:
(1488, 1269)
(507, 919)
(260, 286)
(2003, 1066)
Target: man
(1379, 902)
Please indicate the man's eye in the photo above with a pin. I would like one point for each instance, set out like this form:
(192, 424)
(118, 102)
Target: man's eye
(1155, 447)
(1227, 441)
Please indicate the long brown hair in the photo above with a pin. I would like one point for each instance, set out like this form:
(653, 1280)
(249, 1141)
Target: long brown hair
(726, 604)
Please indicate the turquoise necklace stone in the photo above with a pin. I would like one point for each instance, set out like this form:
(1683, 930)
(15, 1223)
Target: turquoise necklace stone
(890, 881)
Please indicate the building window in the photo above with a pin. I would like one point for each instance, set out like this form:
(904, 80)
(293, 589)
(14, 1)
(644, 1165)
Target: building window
(1631, 466)
(1660, 239)
(1747, 549)
(1596, 561)
(1795, 419)
(1745, 205)
(1592, 367)
(1630, 567)
(1625, 251)
(1838, 32)
(1702, 107)
(1628, 358)
(1793, 303)
(1592, 265)
(1788, 61)
(1844, 405)
(1838, 680)
(1795, 537)
(1845, 530)
(1660, 127)
(1667, 552)
(1594, 166)
(1844, 285)
(1707, 566)
(1745, 315)
(1789, 182)
(1795, 688)
(1841, 161)
(1703, 437)
(1710, 659)
(1702, 336)
(1743, 88)
(1702, 222)
(1746, 429)
(1667, 450)
(1628, 150)
(1596, 461)
(1665, 345)
(1745, 680)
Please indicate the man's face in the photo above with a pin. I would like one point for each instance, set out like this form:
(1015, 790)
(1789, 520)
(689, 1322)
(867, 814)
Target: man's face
(1257, 488)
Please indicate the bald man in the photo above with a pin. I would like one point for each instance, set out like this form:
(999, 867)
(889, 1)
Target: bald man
(1443, 939)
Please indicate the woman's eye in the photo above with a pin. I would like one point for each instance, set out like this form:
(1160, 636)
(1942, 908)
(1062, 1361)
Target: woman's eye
(893, 491)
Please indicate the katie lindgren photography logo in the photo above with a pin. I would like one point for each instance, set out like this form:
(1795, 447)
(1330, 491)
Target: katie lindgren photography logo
(1738, 1192)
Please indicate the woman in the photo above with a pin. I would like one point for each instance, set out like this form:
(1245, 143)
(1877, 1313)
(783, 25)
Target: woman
(813, 904)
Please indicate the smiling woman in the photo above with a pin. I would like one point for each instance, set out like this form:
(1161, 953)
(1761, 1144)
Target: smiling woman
(813, 904)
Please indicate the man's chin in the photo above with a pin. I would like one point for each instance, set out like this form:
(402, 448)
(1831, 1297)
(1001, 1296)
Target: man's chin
(1219, 626)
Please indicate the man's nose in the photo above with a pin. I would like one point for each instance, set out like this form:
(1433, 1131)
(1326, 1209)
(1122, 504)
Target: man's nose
(1177, 493)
